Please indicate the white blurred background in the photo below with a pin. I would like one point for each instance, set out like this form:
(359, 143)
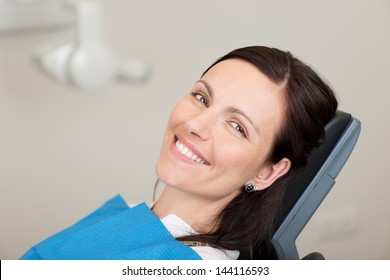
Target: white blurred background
(63, 152)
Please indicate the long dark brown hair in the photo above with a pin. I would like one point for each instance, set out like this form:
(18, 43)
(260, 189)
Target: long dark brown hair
(246, 223)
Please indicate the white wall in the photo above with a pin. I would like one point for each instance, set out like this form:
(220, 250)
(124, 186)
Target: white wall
(63, 153)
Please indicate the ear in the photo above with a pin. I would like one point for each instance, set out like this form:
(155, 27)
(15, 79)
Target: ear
(271, 172)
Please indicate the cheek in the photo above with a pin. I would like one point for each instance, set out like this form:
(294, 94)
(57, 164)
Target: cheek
(239, 159)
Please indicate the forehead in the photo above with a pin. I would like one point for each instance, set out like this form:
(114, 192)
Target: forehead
(238, 83)
(237, 72)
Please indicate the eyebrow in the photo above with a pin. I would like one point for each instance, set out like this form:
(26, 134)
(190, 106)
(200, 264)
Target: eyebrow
(207, 86)
(239, 112)
(230, 108)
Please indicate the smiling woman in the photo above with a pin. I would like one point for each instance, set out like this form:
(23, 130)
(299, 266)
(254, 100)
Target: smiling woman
(231, 145)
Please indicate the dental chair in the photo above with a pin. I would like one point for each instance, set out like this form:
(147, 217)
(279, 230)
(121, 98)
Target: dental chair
(306, 192)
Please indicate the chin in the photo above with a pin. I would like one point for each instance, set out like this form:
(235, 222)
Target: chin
(164, 172)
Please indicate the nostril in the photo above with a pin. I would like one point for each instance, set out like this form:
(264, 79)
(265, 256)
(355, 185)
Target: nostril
(194, 133)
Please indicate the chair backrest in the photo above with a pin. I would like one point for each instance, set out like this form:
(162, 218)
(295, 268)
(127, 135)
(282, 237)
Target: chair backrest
(306, 192)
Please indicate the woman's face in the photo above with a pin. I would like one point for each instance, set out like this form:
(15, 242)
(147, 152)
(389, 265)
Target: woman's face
(220, 134)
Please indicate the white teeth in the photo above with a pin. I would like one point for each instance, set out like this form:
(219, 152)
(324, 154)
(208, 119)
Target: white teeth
(188, 153)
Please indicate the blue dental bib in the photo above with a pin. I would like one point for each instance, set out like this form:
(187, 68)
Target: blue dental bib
(114, 232)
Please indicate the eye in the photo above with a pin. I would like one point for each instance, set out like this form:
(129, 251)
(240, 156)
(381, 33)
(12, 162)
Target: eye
(239, 128)
(200, 98)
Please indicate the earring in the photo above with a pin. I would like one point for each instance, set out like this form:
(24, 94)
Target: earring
(250, 188)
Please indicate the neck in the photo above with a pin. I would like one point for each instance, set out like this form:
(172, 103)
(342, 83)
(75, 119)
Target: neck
(199, 212)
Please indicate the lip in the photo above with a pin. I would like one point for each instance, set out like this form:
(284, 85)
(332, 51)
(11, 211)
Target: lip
(186, 143)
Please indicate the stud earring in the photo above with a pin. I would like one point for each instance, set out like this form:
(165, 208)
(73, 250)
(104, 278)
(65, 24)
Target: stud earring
(250, 188)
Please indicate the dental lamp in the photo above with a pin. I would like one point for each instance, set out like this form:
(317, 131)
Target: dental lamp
(88, 63)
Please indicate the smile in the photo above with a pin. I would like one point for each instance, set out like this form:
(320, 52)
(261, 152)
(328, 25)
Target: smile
(187, 152)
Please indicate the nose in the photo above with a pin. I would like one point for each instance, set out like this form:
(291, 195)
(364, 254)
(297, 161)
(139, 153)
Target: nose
(201, 124)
